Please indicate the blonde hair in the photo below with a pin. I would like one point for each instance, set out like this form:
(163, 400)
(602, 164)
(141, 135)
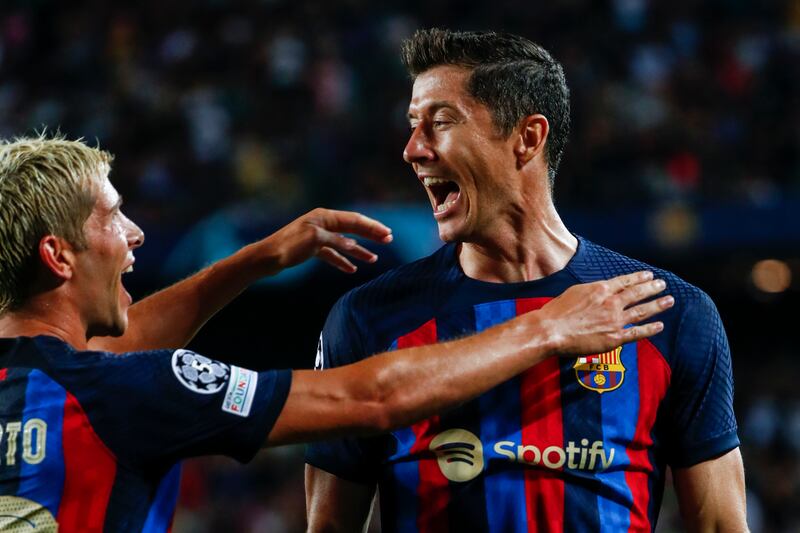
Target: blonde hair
(46, 188)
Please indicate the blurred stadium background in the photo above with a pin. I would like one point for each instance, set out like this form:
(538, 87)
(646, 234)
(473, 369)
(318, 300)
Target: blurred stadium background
(229, 118)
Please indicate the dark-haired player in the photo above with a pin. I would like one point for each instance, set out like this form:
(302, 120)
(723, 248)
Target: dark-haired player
(92, 441)
(579, 444)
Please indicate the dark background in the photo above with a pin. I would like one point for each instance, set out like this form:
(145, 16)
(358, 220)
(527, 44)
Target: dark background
(228, 119)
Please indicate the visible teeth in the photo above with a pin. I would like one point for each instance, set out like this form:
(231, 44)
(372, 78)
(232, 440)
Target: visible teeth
(128, 270)
(444, 206)
(428, 181)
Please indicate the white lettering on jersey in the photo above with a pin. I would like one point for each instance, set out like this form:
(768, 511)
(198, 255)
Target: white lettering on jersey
(461, 455)
(34, 441)
(555, 457)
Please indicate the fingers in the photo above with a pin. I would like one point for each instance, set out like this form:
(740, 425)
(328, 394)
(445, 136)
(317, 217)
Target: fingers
(362, 254)
(641, 291)
(621, 283)
(636, 333)
(332, 257)
(646, 310)
(334, 246)
(346, 245)
(356, 223)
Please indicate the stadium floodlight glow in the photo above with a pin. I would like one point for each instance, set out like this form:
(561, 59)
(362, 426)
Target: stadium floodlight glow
(771, 276)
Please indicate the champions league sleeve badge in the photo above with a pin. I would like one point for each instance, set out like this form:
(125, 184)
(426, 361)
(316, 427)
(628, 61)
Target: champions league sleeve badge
(199, 374)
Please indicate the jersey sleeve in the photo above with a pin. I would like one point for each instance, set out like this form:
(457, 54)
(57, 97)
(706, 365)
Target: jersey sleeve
(701, 419)
(169, 405)
(341, 343)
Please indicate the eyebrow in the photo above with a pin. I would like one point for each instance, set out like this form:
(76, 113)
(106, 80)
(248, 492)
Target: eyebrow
(118, 204)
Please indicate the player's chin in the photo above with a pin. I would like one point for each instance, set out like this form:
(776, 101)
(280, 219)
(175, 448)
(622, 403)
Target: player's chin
(115, 327)
(452, 230)
(119, 325)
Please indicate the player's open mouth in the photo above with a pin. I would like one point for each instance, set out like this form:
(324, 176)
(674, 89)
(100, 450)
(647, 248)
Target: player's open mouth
(444, 194)
(126, 270)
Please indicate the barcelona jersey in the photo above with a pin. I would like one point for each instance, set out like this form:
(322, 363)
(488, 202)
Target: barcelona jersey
(92, 441)
(573, 444)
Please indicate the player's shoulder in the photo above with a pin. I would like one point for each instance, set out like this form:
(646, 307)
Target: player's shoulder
(595, 262)
(50, 364)
(95, 370)
(692, 322)
(48, 354)
(66, 357)
(405, 285)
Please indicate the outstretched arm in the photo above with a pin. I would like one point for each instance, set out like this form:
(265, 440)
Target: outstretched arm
(711, 494)
(395, 389)
(171, 317)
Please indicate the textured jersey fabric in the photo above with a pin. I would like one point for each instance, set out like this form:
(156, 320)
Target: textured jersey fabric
(93, 440)
(572, 444)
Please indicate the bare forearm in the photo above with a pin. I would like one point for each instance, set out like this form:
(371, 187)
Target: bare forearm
(392, 390)
(439, 377)
(711, 494)
(395, 389)
(171, 317)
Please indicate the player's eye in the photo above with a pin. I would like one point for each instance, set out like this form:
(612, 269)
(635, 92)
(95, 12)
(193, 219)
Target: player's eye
(441, 121)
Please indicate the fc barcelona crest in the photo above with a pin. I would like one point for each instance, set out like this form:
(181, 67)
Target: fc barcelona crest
(602, 372)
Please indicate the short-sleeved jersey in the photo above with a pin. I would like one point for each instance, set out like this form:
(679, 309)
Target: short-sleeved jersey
(572, 444)
(92, 441)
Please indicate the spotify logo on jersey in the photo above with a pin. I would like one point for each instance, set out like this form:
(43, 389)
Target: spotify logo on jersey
(459, 454)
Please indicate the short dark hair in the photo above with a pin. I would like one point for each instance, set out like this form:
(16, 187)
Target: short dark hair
(512, 76)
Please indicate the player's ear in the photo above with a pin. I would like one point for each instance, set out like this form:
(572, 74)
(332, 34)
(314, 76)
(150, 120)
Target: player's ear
(530, 137)
(58, 256)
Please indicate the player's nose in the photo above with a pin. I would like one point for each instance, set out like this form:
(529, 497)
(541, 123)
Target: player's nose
(135, 234)
(418, 148)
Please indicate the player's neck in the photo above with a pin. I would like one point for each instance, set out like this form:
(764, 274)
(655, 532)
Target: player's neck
(520, 250)
(44, 318)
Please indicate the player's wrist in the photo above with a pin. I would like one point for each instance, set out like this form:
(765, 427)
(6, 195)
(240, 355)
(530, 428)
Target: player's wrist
(265, 257)
(542, 337)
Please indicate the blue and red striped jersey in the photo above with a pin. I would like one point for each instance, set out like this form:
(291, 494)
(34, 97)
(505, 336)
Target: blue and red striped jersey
(92, 441)
(572, 444)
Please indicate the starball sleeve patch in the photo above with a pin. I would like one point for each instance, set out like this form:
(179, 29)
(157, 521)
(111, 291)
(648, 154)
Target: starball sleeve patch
(198, 373)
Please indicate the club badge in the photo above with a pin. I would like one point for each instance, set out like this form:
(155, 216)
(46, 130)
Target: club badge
(602, 372)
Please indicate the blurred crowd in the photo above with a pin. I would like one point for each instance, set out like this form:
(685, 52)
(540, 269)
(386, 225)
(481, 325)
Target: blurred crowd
(296, 103)
(285, 105)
